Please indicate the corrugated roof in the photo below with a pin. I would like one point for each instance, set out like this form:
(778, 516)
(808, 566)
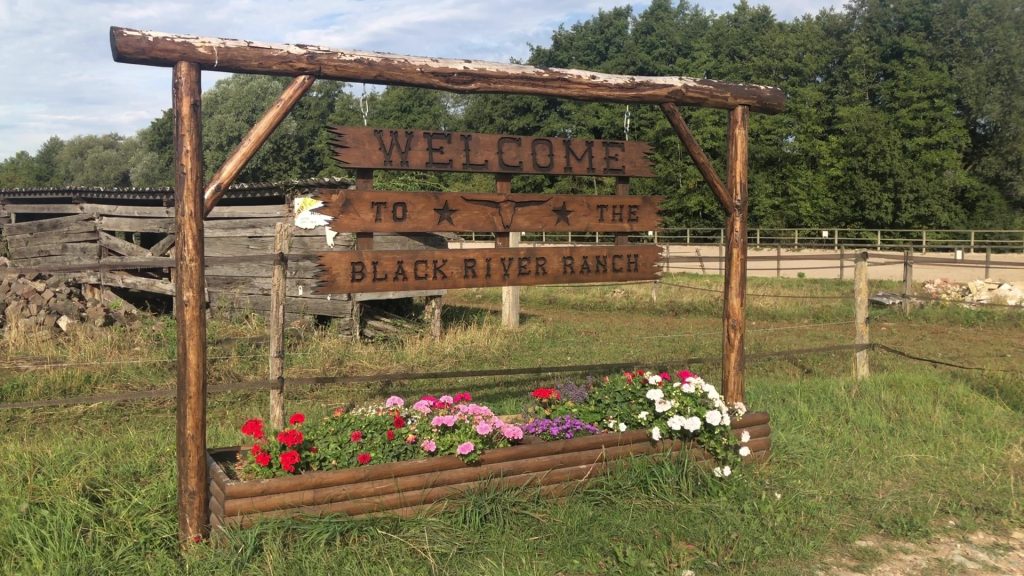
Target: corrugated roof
(239, 190)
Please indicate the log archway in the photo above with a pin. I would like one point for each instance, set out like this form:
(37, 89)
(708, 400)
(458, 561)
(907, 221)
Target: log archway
(189, 55)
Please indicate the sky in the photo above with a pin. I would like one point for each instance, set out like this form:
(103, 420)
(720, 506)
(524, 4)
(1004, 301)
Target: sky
(60, 79)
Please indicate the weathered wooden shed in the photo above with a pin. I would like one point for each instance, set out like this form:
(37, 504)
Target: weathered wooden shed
(58, 227)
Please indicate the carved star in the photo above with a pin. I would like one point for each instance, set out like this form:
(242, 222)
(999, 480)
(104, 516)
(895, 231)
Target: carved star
(562, 214)
(444, 213)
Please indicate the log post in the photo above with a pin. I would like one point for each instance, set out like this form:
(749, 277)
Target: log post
(733, 318)
(189, 305)
(253, 141)
(860, 307)
(509, 294)
(908, 279)
(278, 293)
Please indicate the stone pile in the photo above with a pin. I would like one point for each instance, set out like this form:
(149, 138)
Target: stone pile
(976, 292)
(50, 302)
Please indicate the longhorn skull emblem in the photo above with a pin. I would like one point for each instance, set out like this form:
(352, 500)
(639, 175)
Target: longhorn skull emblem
(506, 208)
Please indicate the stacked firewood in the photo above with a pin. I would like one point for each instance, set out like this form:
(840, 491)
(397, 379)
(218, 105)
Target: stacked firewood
(51, 302)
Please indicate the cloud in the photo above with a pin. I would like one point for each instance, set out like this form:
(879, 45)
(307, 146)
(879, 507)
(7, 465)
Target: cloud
(60, 79)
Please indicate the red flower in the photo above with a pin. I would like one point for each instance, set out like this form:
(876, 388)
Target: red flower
(364, 458)
(339, 411)
(391, 435)
(684, 374)
(462, 397)
(288, 460)
(290, 438)
(356, 436)
(429, 398)
(263, 459)
(399, 422)
(296, 418)
(664, 375)
(545, 394)
(629, 377)
(256, 449)
(253, 428)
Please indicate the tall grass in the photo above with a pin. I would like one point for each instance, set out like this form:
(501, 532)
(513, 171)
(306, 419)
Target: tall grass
(91, 489)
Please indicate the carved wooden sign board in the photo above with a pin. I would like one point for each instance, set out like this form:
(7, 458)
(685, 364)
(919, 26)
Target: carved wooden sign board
(368, 211)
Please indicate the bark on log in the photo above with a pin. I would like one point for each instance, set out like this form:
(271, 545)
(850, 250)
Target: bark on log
(734, 315)
(464, 76)
(189, 300)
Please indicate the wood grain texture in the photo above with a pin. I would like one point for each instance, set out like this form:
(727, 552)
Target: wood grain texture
(734, 314)
(388, 270)
(190, 310)
(463, 76)
(861, 368)
(390, 211)
(435, 150)
(278, 295)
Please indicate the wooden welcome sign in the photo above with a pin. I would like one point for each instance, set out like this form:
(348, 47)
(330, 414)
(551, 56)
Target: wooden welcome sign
(379, 211)
(366, 211)
(362, 147)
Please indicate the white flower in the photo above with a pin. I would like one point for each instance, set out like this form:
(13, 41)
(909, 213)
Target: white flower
(692, 424)
(611, 424)
(655, 394)
(720, 405)
(622, 426)
(778, 496)
(689, 387)
(676, 422)
(643, 415)
(722, 471)
(745, 437)
(663, 405)
(725, 419)
(744, 451)
(654, 379)
(655, 433)
(713, 417)
(709, 390)
(739, 409)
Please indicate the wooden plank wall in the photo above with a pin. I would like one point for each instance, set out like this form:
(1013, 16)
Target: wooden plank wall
(83, 233)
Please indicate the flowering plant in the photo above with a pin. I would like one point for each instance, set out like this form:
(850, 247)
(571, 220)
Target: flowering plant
(559, 428)
(455, 425)
(286, 452)
(375, 434)
(559, 400)
(680, 405)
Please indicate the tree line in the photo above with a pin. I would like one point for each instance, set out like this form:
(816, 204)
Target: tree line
(899, 115)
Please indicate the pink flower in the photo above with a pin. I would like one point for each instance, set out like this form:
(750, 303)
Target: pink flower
(685, 374)
(483, 428)
(394, 401)
(446, 399)
(512, 432)
(447, 420)
(428, 446)
(465, 448)
(463, 397)
(422, 406)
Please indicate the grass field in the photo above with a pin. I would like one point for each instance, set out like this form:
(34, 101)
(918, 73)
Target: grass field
(912, 452)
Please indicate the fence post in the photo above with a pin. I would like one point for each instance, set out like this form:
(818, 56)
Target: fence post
(988, 262)
(842, 265)
(796, 238)
(778, 261)
(908, 279)
(278, 292)
(972, 241)
(924, 241)
(860, 306)
(878, 239)
(758, 241)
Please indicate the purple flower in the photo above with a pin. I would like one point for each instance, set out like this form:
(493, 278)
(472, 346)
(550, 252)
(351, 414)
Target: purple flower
(465, 448)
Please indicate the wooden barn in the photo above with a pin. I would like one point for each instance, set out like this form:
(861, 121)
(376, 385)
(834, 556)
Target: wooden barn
(81, 226)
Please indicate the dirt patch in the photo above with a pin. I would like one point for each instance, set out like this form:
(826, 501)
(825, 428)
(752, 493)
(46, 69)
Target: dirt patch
(977, 553)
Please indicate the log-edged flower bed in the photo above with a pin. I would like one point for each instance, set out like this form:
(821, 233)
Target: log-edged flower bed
(403, 459)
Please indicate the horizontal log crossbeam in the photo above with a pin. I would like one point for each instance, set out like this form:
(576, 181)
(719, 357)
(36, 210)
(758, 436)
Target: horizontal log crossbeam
(464, 76)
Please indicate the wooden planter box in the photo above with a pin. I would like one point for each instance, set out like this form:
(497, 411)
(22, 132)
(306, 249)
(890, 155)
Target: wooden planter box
(407, 488)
